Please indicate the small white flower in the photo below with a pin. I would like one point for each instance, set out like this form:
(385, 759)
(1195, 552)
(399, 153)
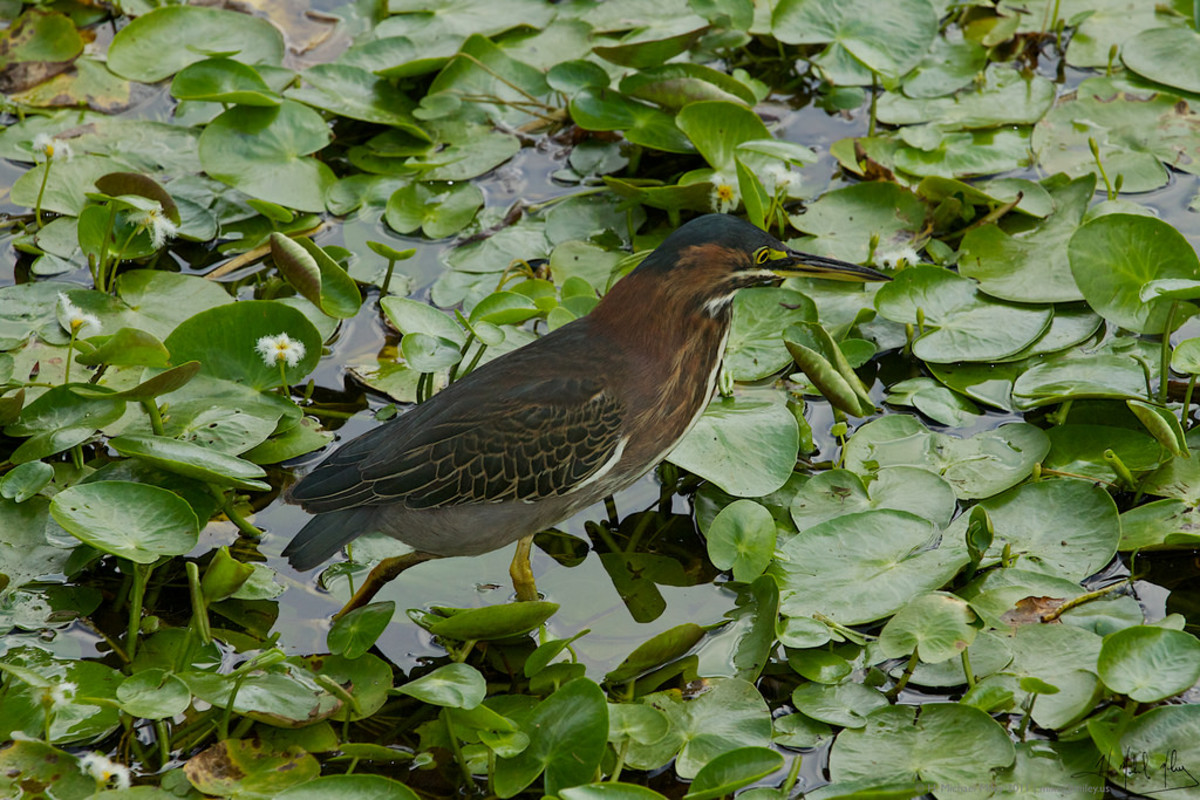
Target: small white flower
(43, 146)
(46, 147)
(104, 771)
(896, 257)
(157, 223)
(274, 349)
(73, 319)
(61, 694)
(725, 195)
(780, 178)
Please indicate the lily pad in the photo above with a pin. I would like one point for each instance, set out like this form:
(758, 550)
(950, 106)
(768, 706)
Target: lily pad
(1114, 256)
(159, 44)
(831, 494)
(863, 566)
(888, 39)
(264, 152)
(937, 745)
(130, 520)
(1148, 663)
(960, 323)
(225, 340)
(1029, 264)
(981, 466)
(1065, 527)
(745, 445)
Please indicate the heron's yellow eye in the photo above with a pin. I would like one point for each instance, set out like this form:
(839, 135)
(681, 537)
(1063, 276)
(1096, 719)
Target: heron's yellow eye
(762, 255)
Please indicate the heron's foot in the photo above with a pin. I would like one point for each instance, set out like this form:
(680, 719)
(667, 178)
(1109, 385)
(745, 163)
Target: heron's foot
(521, 571)
(379, 576)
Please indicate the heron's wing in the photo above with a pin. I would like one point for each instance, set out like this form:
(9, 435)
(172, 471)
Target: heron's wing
(526, 443)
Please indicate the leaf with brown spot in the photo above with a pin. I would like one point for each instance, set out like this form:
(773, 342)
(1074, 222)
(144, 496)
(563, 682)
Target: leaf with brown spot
(1032, 610)
(244, 766)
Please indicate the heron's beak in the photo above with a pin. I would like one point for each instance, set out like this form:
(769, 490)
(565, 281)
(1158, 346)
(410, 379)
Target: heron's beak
(792, 263)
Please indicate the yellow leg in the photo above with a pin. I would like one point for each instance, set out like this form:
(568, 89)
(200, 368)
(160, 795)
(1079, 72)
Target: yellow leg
(522, 572)
(383, 572)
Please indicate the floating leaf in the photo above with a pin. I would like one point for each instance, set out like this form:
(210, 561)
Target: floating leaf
(158, 44)
(264, 152)
(129, 520)
(1114, 256)
(863, 566)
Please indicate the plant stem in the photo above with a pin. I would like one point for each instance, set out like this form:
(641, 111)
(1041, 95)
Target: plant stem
(141, 576)
(150, 406)
(1078, 601)
(970, 673)
(1185, 413)
(199, 607)
(1165, 359)
(895, 691)
(241, 523)
(37, 211)
(456, 747)
(387, 279)
(70, 353)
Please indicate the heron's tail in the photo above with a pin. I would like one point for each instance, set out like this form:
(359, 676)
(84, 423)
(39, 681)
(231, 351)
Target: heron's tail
(326, 534)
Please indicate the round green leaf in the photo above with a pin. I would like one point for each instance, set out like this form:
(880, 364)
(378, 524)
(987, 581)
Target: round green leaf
(411, 316)
(844, 704)
(741, 538)
(938, 744)
(1064, 527)
(835, 492)
(451, 685)
(426, 353)
(235, 766)
(845, 221)
(717, 128)
(223, 80)
(1169, 56)
(153, 694)
(1166, 742)
(960, 323)
(730, 715)
(130, 520)
(355, 633)
(353, 92)
(26, 480)
(601, 109)
(1147, 663)
(936, 626)
(981, 466)
(1113, 256)
(264, 153)
(1030, 265)
(731, 771)
(755, 349)
(438, 209)
(862, 567)
(889, 39)
(747, 446)
(224, 339)
(158, 44)
(568, 735)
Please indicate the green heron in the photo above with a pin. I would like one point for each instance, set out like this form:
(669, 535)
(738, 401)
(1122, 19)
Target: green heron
(534, 436)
